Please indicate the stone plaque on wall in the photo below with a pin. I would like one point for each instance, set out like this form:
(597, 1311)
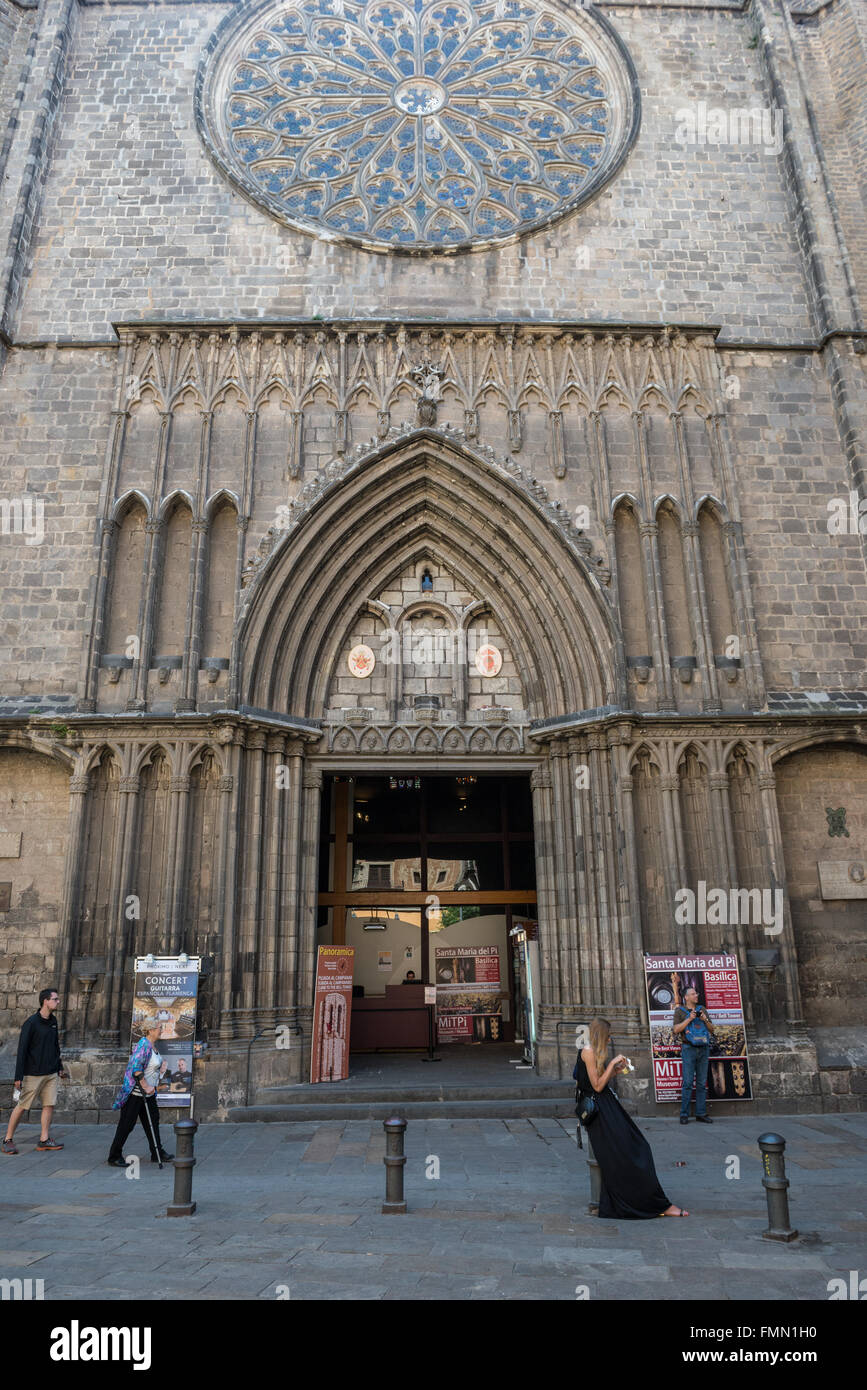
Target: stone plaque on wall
(10, 844)
(5, 897)
(843, 878)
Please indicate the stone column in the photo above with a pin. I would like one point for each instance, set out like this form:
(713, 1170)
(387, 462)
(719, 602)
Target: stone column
(632, 937)
(552, 987)
(150, 579)
(669, 788)
(593, 910)
(546, 897)
(288, 924)
(570, 875)
(273, 834)
(785, 942)
(251, 891)
(122, 860)
(79, 785)
(649, 533)
(742, 599)
(720, 785)
(227, 897)
(176, 878)
(107, 534)
(710, 699)
(307, 897)
(200, 543)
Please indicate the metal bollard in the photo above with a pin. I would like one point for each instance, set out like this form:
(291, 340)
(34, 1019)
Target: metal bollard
(394, 1161)
(776, 1184)
(184, 1164)
(595, 1179)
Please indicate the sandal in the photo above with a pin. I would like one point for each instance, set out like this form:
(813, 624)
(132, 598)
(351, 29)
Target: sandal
(680, 1212)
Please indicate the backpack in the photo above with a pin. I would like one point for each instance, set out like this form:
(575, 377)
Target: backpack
(696, 1032)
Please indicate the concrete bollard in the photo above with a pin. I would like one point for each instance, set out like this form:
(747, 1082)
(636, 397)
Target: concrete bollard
(776, 1184)
(184, 1163)
(595, 1179)
(395, 1161)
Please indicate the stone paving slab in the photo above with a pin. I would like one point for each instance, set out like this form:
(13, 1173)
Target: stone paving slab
(298, 1206)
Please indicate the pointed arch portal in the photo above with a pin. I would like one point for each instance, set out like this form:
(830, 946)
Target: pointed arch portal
(427, 496)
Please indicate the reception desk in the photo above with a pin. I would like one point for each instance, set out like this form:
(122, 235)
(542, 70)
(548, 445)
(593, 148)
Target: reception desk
(399, 1018)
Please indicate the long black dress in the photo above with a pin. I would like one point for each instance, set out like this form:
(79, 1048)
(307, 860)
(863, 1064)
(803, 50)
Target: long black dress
(630, 1187)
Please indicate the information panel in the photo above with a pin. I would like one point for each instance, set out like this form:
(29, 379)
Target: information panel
(469, 1008)
(167, 989)
(332, 1009)
(715, 978)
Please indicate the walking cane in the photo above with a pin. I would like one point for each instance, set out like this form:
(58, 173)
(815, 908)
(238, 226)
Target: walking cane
(156, 1146)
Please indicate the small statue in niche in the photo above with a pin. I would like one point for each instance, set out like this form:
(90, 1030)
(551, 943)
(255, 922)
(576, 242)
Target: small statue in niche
(836, 821)
(427, 375)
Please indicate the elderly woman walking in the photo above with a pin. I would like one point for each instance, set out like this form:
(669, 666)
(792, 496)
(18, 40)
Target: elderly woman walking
(137, 1097)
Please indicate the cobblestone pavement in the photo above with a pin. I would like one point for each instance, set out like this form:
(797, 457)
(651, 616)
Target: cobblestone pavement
(297, 1206)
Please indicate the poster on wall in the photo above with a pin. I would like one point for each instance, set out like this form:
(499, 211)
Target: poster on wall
(526, 948)
(716, 980)
(167, 988)
(469, 1008)
(332, 1008)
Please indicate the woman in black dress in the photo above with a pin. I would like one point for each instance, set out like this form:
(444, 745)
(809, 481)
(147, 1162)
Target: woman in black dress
(630, 1187)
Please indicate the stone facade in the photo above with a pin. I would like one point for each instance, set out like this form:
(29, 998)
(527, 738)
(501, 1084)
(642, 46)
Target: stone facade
(627, 447)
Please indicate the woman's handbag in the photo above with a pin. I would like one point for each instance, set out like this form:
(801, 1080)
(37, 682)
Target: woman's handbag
(586, 1107)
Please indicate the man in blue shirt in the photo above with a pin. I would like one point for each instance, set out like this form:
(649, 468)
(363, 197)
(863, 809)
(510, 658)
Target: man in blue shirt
(693, 1026)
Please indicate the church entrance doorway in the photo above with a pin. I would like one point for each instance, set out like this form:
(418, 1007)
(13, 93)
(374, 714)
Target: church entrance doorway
(431, 879)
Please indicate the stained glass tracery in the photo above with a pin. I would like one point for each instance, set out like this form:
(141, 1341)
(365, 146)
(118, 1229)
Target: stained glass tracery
(416, 124)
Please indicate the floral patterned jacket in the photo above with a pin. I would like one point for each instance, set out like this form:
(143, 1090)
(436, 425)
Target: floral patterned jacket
(137, 1062)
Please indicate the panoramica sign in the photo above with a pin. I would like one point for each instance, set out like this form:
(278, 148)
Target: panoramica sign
(417, 124)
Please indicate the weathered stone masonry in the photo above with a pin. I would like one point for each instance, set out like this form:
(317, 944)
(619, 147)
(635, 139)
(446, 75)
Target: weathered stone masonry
(640, 417)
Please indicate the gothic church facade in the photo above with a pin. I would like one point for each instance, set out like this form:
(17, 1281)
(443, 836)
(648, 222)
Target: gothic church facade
(528, 322)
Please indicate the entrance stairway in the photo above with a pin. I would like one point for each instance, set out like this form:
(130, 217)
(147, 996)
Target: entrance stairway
(480, 1082)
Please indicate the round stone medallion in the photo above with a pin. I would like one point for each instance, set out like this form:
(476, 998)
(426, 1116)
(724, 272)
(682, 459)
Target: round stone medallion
(361, 661)
(417, 124)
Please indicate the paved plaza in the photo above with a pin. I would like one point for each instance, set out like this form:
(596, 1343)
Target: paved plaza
(293, 1210)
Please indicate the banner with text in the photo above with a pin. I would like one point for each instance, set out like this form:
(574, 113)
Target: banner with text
(168, 990)
(332, 1009)
(716, 980)
(469, 1008)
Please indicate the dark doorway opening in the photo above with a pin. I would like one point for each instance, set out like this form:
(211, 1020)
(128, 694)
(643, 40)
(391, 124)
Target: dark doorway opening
(427, 877)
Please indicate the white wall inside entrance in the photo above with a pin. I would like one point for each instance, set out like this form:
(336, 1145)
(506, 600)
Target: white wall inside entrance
(402, 934)
(381, 957)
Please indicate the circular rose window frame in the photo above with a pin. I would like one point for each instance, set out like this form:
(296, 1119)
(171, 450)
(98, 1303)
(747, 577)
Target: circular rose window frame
(225, 49)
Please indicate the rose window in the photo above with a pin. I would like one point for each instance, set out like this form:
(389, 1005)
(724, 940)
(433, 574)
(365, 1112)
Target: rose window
(417, 125)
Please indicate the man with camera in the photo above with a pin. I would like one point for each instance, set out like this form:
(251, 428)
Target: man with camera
(694, 1028)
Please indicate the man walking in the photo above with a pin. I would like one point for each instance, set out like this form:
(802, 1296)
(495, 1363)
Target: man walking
(692, 1024)
(37, 1068)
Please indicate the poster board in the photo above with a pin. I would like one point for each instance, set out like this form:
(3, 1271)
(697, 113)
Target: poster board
(332, 1012)
(527, 982)
(716, 978)
(167, 988)
(468, 984)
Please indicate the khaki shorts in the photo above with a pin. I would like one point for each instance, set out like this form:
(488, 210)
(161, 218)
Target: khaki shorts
(41, 1088)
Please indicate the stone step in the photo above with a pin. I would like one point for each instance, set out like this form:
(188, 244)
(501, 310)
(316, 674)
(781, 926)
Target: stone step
(506, 1108)
(338, 1093)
